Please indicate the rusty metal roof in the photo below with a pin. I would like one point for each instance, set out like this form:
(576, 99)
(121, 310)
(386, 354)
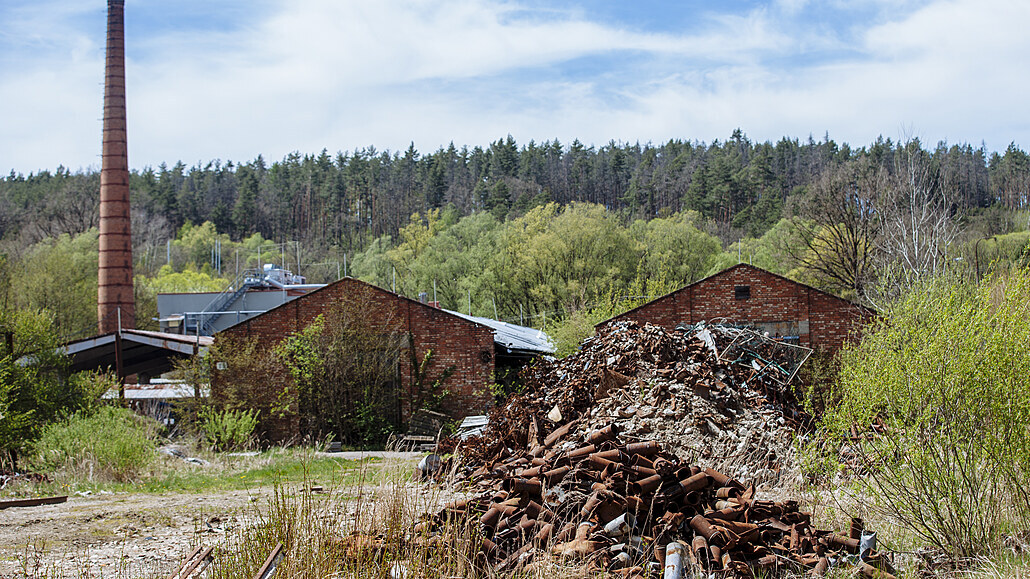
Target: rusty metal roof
(142, 351)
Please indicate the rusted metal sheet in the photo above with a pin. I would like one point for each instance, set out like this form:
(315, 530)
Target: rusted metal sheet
(195, 563)
(9, 503)
(268, 569)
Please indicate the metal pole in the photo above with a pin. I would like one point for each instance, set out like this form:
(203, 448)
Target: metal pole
(470, 302)
(395, 280)
(168, 252)
(521, 321)
(344, 264)
(494, 301)
(434, 291)
(196, 351)
(118, 359)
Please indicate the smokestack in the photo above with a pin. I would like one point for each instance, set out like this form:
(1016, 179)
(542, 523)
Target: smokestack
(115, 303)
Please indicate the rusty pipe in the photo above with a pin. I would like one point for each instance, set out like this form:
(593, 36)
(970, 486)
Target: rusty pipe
(610, 432)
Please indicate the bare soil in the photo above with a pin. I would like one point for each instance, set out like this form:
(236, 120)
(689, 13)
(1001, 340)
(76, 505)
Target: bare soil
(118, 535)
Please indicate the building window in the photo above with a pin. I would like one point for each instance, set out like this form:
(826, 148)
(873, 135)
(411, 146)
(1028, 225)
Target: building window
(742, 292)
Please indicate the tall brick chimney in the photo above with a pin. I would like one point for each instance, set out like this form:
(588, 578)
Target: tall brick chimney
(115, 303)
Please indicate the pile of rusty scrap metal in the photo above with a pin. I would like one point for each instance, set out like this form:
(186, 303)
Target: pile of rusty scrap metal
(635, 509)
(737, 414)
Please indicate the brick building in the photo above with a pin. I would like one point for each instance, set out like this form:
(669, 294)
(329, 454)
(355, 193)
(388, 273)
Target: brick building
(750, 296)
(470, 349)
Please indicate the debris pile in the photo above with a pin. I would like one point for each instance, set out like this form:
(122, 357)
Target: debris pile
(734, 412)
(628, 455)
(634, 508)
(10, 477)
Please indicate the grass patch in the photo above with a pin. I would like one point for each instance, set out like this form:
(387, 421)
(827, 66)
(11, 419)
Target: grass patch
(223, 473)
(111, 444)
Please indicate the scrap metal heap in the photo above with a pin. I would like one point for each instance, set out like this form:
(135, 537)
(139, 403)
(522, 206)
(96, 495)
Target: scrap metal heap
(634, 509)
(735, 412)
(587, 466)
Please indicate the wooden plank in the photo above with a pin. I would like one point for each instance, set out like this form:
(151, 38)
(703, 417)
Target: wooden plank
(32, 502)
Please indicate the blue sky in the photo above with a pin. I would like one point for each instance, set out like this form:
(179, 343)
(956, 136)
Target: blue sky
(231, 79)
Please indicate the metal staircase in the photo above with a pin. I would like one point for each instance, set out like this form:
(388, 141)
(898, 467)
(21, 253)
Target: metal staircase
(209, 315)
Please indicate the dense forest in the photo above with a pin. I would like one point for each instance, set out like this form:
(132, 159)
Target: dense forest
(538, 229)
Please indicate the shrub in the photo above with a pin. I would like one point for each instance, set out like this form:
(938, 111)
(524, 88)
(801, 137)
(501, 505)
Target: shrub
(345, 373)
(228, 429)
(945, 372)
(110, 444)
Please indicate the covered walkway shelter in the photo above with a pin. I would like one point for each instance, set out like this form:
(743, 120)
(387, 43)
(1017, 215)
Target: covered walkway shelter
(127, 352)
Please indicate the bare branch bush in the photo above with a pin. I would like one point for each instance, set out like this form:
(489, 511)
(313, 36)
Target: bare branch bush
(839, 229)
(915, 222)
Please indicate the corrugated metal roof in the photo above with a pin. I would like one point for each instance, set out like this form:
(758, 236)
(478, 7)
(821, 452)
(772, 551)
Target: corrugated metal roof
(513, 337)
(472, 426)
(162, 391)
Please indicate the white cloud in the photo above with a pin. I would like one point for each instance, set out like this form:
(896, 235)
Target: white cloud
(321, 73)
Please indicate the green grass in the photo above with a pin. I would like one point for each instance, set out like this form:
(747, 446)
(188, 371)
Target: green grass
(224, 473)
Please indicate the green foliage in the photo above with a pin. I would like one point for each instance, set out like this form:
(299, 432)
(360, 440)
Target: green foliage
(188, 280)
(59, 275)
(249, 378)
(228, 429)
(767, 252)
(945, 371)
(34, 388)
(675, 247)
(112, 444)
(570, 331)
(344, 371)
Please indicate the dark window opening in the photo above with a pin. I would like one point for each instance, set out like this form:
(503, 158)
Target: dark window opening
(742, 292)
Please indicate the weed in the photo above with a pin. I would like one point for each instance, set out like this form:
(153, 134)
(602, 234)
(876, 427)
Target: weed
(228, 429)
(112, 444)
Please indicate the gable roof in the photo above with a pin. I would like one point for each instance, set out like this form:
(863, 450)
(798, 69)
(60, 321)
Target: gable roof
(509, 336)
(299, 300)
(726, 271)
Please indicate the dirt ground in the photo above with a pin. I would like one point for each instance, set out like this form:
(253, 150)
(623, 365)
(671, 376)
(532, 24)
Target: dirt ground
(128, 534)
(118, 535)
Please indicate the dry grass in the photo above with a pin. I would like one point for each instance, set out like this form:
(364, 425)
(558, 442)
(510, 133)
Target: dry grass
(365, 531)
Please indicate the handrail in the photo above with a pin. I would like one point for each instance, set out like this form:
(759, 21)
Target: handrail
(214, 309)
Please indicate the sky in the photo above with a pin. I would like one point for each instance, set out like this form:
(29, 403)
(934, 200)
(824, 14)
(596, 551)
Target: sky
(232, 79)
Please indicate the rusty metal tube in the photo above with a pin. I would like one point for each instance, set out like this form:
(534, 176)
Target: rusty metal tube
(557, 434)
(598, 462)
(553, 477)
(525, 486)
(705, 529)
(581, 452)
(648, 448)
(647, 485)
(610, 432)
(675, 555)
(694, 483)
(544, 534)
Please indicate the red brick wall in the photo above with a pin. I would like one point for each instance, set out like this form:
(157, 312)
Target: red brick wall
(819, 319)
(467, 346)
